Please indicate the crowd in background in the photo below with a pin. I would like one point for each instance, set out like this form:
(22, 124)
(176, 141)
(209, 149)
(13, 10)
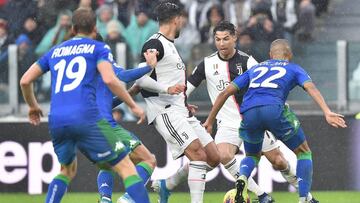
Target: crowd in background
(37, 25)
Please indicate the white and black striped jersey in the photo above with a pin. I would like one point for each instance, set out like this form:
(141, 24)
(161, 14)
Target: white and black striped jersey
(218, 73)
(170, 70)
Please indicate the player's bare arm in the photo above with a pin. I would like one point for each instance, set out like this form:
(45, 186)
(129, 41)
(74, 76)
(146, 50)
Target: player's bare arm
(27, 89)
(110, 79)
(150, 57)
(219, 102)
(334, 119)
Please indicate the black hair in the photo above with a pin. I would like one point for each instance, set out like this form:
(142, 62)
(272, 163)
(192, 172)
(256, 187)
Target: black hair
(84, 20)
(218, 8)
(225, 26)
(167, 10)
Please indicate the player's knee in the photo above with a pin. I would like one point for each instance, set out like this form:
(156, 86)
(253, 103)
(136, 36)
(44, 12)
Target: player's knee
(279, 162)
(226, 157)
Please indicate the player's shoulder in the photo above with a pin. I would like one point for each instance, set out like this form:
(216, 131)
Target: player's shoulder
(242, 54)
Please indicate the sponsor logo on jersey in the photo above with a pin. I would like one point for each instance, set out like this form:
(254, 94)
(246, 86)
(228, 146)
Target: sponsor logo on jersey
(222, 85)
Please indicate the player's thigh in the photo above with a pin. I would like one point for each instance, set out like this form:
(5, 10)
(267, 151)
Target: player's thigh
(100, 143)
(176, 131)
(212, 153)
(129, 139)
(64, 143)
(287, 128)
(228, 136)
(270, 142)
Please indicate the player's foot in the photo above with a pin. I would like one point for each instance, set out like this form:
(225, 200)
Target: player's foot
(266, 198)
(159, 186)
(125, 199)
(104, 199)
(313, 200)
(241, 190)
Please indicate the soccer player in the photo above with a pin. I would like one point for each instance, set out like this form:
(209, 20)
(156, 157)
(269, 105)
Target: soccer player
(74, 119)
(139, 154)
(219, 69)
(264, 108)
(182, 132)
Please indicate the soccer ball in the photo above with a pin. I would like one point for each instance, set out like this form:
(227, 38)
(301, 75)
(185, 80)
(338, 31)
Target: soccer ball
(230, 197)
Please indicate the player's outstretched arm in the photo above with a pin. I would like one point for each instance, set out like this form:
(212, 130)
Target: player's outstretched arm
(26, 84)
(114, 84)
(219, 102)
(149, 84)
(334, 119)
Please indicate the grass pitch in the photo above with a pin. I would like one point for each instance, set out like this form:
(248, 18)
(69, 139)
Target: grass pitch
(210, 197)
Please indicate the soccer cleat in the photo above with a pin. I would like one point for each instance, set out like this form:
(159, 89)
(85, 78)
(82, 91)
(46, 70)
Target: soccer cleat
(266, 199)
(313, 200)
(125, 199)
(105, 200)
(159, 186)
(241, 190)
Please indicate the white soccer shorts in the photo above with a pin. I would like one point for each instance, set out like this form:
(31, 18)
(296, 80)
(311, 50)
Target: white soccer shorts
(231, 136)
(179, 131)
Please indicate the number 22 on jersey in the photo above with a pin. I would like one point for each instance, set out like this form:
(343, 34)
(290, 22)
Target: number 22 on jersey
(279, 72)
(68, 69)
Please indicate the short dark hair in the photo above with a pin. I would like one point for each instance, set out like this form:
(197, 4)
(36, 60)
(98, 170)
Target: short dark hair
(167, 10)
(225, 26)
(84, 20)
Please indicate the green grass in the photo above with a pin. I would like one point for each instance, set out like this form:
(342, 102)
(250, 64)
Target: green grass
(210, 197)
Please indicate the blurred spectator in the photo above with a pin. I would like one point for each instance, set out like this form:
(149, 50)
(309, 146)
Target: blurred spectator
(229, 8)
(90, 4)
(321, 6)
(214, 15)
(138, 31)
(114, 36)
(261, 25)
(26, 57)
(124, 10)
(32, 30)
(284, 13)
(104, 15)
(198, 12)
(16, 11)
(5, 40)
(189, 37)
(59, 33)
(245, 42)
(306, 21)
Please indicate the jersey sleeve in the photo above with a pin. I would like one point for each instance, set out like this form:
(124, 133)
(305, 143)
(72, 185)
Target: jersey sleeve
(104, 54)
(301, 76)
(241, 81)
(153, 44)
(198, 75)
(131, 74)
(43, 62)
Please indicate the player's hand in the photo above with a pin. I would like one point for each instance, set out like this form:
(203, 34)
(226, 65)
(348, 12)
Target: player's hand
(335, 120)
(192, 108)
(176, 89)
(34, 115)
(208, 126)
(138, 112)
(150, 57)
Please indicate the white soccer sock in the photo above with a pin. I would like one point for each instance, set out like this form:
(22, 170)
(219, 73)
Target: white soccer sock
(179, 177)
(254, 187)
(196, 180)
(233, 167)
(290, 176)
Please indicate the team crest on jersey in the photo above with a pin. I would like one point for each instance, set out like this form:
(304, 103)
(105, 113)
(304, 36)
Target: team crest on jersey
(216, 66)
(239, 68)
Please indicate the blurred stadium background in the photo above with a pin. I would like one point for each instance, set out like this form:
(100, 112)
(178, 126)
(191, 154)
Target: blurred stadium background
(325, 40)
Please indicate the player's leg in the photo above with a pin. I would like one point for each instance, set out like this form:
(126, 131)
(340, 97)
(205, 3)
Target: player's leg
(101, 144)
(182, 139)
(64, 147)
(288, 129)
